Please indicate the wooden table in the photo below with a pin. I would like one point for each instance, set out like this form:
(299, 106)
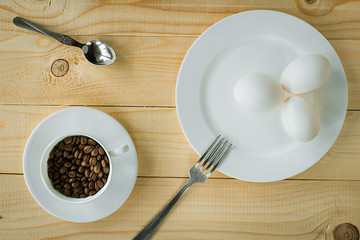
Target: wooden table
(151, 38)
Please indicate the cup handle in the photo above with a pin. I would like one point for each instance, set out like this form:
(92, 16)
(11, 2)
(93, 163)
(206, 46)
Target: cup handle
(120, 150)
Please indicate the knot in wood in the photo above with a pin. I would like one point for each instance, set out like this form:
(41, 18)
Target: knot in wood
(346, 231)
(60, 67)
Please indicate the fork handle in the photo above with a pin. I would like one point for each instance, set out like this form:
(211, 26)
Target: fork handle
(148, 231)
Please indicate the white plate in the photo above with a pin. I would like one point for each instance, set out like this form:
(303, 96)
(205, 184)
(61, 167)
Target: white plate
(105, 129)
(255, 41)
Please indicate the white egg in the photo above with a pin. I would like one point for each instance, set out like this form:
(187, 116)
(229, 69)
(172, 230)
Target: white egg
(306, 74)
(300, 119)
(258, 92)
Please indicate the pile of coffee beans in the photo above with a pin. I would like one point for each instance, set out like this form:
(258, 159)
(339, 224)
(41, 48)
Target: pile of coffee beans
(78, 166)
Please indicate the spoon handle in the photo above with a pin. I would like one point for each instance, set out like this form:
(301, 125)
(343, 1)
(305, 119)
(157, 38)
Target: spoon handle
(20, 22)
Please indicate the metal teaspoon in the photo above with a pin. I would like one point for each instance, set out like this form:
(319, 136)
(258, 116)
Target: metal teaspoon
(96, 51)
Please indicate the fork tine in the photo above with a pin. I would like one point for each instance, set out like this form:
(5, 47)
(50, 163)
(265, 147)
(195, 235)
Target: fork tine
(219, 159)
(209, 157)
(207, 151)
(215, 154)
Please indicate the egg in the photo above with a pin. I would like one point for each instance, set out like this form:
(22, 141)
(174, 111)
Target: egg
(258, 92)
(306, 74)
(300, 119)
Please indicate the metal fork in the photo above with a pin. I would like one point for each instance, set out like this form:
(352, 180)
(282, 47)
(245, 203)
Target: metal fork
(209, 161)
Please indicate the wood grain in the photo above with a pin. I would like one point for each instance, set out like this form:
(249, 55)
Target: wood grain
(217, 209)
(336, 19)
(163, 150)
(144, 75)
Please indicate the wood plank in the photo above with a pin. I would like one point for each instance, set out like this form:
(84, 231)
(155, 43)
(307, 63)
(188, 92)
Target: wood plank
(217, 209)
(335, 19)
(162, 148)
(144, 75)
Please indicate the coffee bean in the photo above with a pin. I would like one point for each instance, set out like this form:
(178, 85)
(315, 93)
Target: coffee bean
(77, 162)
(67, 192)
(79, 175)
(73, 140)
(67, 164)
(63, 169)
(106, 170)
(67, 140)
(86, 190)
(100, 174)
(61, 146)
(68, 147)
(81, 169)
(71, 180)
(75, 184)
(77, 140)
(91, 185)
(76, 153)
(83, 140)
(101, 151)
(67, 186)
(72, 174)
(97, 188)
(75, 195)
(58, 153)
(58, 186)
(88, 149)
(98, 157)
(73, 167)
(103, 163)
(103, 180)
(91, 193)
(83, 195)
(83, 163)
(91, 168)
(78, 189)
(87, 172)
(92, 142)
(83, 179)
(80, 155)
(52, 154)
(106, 159)
(94, 177)
(96, 168)
(94, 152)
(50, 163)
(92, 161)
(100, 183)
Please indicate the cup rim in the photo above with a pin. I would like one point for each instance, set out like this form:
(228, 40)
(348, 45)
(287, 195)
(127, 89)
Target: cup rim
(47, 182)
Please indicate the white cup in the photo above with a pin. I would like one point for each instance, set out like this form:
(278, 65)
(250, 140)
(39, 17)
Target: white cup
(47, 182)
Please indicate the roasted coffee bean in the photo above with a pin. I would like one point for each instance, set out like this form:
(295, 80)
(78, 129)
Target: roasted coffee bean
(101, 151)
(77, 162)
(92, 142)
(61, 146)
(88, 148)
(100, 183)
(78, 167)
(75, 184)
(103, 163)
(68, 147)
(83, 140)
(87, 172)
(72, 174)
(92, 192)
(96, 168)
(67, 164)
(91, 185)
(76, 153)
(67, 140)
(63, 169)
(94, 152)
(92, 161)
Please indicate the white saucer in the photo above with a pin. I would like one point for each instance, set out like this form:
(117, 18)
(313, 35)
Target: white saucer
(105, 129)
(255, 41)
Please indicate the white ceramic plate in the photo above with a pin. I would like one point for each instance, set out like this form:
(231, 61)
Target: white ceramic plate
(110, 133)
(247, 42)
